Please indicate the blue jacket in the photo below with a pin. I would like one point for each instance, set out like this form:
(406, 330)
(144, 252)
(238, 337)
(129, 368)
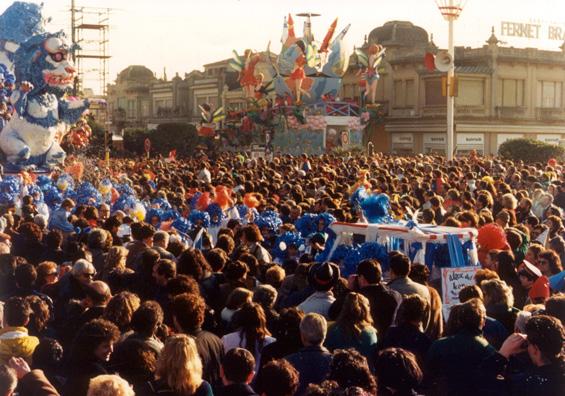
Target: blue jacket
(59, 221)
(313, 364)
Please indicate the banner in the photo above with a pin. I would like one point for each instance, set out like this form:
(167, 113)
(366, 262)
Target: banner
(452, 281)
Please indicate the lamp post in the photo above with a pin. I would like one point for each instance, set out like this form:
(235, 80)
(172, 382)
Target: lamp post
(450, 9)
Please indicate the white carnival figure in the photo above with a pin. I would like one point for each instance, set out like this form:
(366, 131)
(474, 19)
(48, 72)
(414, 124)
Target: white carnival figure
(45, 74)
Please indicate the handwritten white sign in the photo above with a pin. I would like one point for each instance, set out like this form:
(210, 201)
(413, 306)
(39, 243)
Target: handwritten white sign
(455, 279)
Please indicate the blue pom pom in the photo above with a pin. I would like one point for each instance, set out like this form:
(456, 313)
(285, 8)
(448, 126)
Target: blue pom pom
(153, 212)
(216, 213)
(376, 208)
(284, 241)
(52, 196)
(182, 225)
(10, 189)
(195, 198)
(87, 194)
(161, 203)
(327, 218)
(306, 224)
(198, 217)
(358, 196)
(269, 220)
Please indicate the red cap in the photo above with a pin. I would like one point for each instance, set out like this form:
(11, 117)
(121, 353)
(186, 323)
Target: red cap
(540, 288)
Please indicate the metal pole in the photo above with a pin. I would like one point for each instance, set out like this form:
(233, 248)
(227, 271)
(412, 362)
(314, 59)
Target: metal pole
(450, 90)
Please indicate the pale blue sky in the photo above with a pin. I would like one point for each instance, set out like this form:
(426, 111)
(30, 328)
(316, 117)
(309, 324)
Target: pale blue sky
(182, 35)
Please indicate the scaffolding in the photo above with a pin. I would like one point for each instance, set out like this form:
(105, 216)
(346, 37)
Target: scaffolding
(90, 33)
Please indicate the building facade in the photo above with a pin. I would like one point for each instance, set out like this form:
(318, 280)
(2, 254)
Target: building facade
(502, 93)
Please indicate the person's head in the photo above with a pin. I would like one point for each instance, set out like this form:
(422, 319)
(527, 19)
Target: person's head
(120, 309)
(109, 385)
(145, 234)
(236, 271)
(217, 259)
(17, 312)
(188, 312)
(349, 368)
(355, 315)
(546, 338)
(251, 321)
(238, 367)
(192, 262)
(313, 329)
(98, 238)
(484, 274)
(398, 370)
(161, 239)
(549, 263)
(369, 272)
(497, 292)
(40, 314)
(83, 271)
(163, 270)
(67, 204)
(98, 294)
(278, 378)
(47, 355)
(412, 310)
(323, 276)
(94, 342)
(25, 276)
(182, 284)
(8, 380)
(179, 365)
(274, 276)
(116, 259)
(147, 318)
(528, 275)
(251, 234)
(399, 265)
(54, 239)
(46, 274)
(286, 328)
(555, 306)
(472, 315)
(469, 292)
(266, 295)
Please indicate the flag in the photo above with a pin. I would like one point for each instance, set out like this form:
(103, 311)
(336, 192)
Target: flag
(542, 238)
(198, 240)
(430, 62)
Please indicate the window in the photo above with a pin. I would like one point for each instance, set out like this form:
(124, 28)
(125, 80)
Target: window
(549, 94)
(131, 109)
(470, 93)
(512, 93)
(410, 93)
(433, 93)
(398, 93)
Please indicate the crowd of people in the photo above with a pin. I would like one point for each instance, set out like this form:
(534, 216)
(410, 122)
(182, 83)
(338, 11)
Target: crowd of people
(97, 301)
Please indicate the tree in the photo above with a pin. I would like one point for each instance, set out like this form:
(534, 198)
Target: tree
(529, 150)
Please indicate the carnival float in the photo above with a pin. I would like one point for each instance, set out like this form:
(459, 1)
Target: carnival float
(293, 103)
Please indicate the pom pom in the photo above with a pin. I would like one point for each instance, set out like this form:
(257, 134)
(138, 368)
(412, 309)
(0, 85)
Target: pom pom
(358, 196)
(374, 250)
(152, 213)
(203, 201)
(242, 210)
(250, 200)
(105, 187)
(286, 240)
(138, 211)
(376, 208)
(199, 218)
(52, 196)
(182, 225)
(161, 204)
(269, 220)
(65, 182)
(306, 224)
(194, 199)
(222, 197)
(87, 194)
(10, 189)
(491, 236)
(216, 213)
(326, 219)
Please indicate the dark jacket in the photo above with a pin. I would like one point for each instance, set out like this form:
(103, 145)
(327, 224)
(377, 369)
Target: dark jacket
(456, 361)
(160, 388)
(409, 337)
(79, 377)
(384, 302)
(506, 316)
(235, 390)
(211, 351)
(548, 380)
(313, 364)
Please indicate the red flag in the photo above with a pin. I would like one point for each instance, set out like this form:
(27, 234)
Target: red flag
(430, 61)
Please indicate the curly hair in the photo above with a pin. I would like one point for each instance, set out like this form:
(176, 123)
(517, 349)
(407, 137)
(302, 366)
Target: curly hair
(192, 262)
(120, 309)
(349, 368)
(40, 314)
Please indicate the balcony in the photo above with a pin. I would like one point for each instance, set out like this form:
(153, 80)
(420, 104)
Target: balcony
(550, 114)
(511, 112)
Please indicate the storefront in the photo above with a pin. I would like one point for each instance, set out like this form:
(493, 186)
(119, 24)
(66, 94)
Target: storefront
(551, 138)
(402, 143)
(470, 141)
(504, 137)
(435, 143)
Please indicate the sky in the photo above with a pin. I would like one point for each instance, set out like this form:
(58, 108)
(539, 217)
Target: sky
(183, 35)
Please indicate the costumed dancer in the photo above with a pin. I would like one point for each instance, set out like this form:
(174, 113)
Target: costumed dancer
(371, 61)
(247, 78)
(297, 81)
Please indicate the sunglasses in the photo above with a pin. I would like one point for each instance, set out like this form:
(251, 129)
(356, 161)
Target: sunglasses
(89, 275)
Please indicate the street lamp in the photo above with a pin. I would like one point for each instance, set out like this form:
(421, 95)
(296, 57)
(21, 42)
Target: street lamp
(450, 9)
